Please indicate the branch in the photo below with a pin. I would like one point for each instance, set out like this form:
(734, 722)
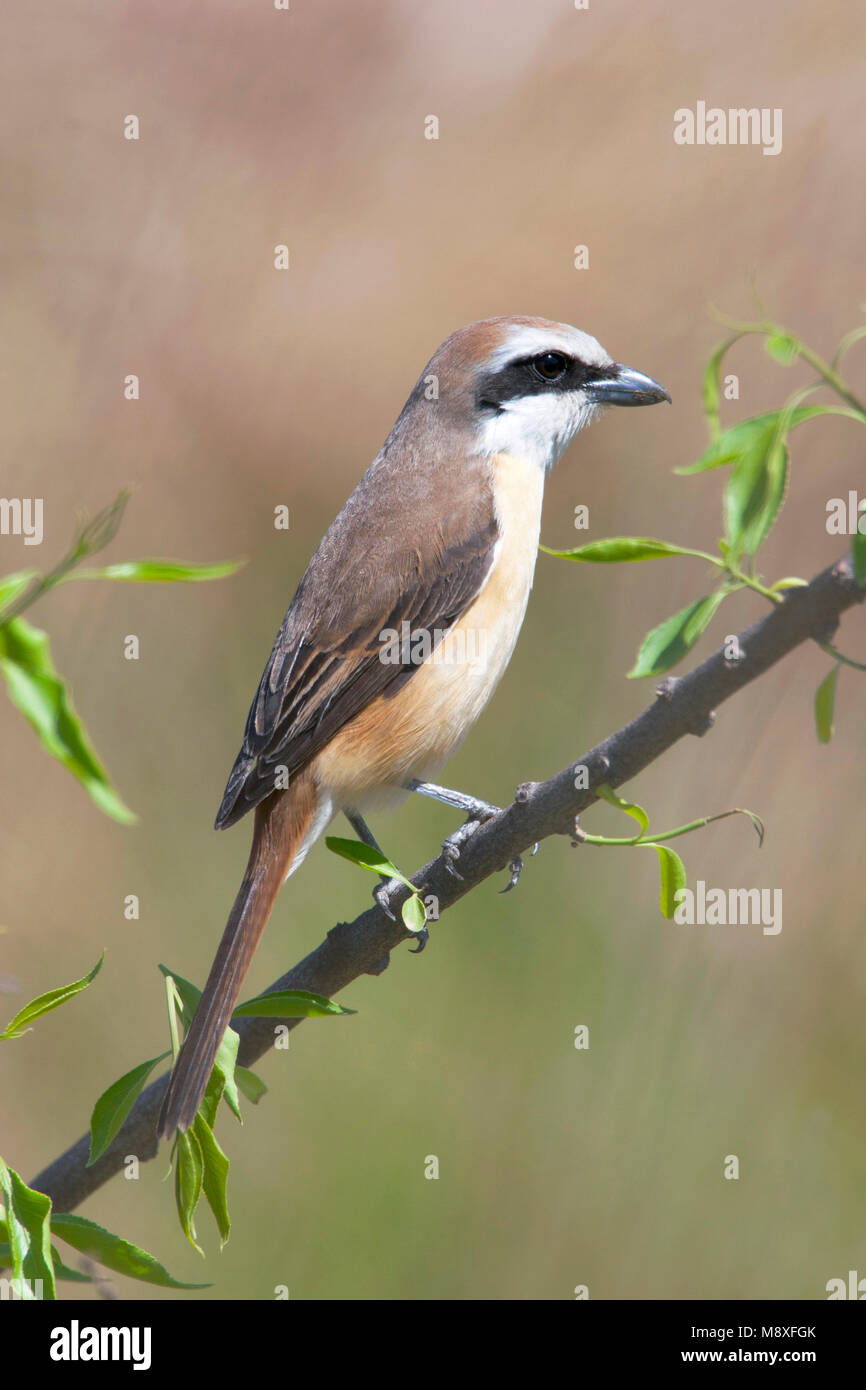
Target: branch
(682, 706)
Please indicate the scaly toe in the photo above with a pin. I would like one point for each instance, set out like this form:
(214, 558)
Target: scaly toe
(516, 869)
(382, 896)
(422, 937)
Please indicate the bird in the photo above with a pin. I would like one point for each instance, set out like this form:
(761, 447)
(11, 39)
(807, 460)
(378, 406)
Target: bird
(437, 543)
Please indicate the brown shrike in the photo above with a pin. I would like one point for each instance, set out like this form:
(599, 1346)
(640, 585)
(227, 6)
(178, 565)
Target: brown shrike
(437, 545)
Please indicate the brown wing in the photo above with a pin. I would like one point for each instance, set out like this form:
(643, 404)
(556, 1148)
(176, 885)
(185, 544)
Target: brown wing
(325, 666)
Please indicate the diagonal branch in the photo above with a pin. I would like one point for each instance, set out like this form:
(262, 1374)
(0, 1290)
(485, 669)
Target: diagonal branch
(682, 706)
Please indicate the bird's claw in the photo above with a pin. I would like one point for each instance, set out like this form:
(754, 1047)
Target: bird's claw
(452, 845)
(450, 853)
(515, 870)
(422, 937)
(382, 895)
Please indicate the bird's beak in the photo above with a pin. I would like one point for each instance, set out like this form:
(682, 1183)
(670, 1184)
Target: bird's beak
(624, 386)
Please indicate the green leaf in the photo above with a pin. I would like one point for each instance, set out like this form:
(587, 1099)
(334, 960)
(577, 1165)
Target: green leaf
(789, 582)
(95, 535)
(825, 700)
(858, 555)
(224, 1064)
(189, 993)
(414, 913)
(64, 1271)
(668, 643)
(45, 1003)
(214, 1177)
(188, 1178)
(364, 855)
(753, 437)
(672, 877)
(623, 549)
(631, 808)
(11, 585)
(35, 689)
(114, 1105)
(757, 823)
(158, 572)
(61, 1271)
(782, 347)
(711, 384)
(211, 1099)
(289, 1003)
(114, 1252)
(250, 1084)
(26, 1228)
(754, 494)
(224, 1071)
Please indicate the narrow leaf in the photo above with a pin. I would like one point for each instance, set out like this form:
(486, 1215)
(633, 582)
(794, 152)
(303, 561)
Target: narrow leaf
(368, 858)
(624, 549)
(114, 1252)
(214, 1176)
(64, 1271)
(35, 688)
(211, 1099)
(223, 1074)
(668, 643)
(825, 701)
(11, 585)
(672, 877)
(189, 993)
(629, 807)
(188, 1174)
(754, 494)
(289, 1003)
(711, 383)
(114, 1105)
(26, 1228)
(753, 436)
(858, 554)
(250, 1084)
(158, 572)
(45, 1003)
(224, 1071)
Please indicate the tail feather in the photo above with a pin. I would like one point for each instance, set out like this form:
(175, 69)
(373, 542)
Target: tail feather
(281, 824)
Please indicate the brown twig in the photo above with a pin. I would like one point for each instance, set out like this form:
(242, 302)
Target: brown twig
(682, 706)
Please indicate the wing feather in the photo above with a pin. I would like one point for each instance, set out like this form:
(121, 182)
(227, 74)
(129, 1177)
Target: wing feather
(325, 666)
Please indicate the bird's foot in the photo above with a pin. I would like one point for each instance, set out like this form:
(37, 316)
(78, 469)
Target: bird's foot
(382, 895)
(479, 812)
(516, 869)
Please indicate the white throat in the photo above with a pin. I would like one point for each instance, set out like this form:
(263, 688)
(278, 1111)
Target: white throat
(537, 428)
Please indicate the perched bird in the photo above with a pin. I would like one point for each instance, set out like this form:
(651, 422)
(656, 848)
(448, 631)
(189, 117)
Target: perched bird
(436, 545)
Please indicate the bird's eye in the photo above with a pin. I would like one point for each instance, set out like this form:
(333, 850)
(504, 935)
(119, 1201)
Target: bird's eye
(550, 366)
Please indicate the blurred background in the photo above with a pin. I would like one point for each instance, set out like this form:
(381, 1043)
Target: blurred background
(558, 1167)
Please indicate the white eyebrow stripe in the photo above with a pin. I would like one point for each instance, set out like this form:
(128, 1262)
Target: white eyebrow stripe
(525, 341)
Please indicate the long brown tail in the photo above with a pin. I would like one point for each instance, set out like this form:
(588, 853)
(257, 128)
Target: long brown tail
(281, 822)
